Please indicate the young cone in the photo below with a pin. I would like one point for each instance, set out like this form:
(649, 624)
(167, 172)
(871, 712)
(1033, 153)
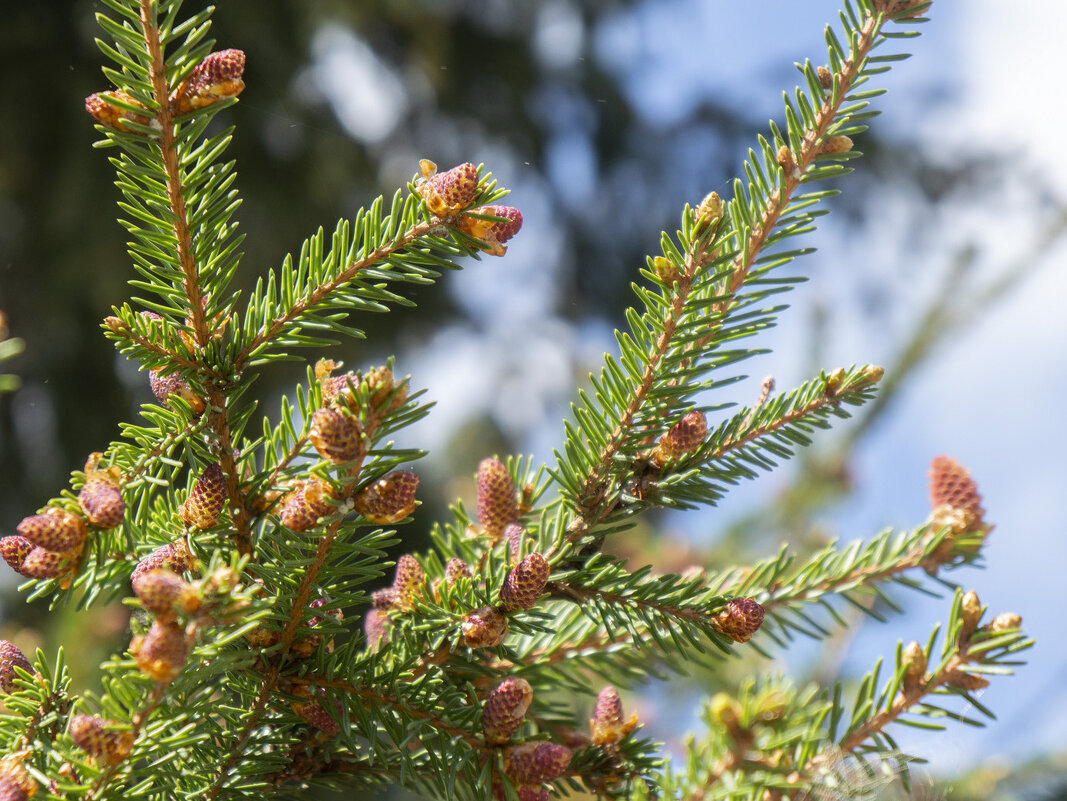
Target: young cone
(161, 592)
(505, 710)
(336, 436)
(11, 657)
(14, 550)
(607, 725)
(390, 499)
(536, 762)
(525, 583)
(92, 735)
(408, 582)
(485, 627)
(954, 497)
(161, 653)
(492, 233)
(447, 192)
(314, 713)
(173, 556)
(215, 78)
(739, 619)
(683, 438)
(100, 497)
(498, 502)
(41, 563)
(54, 530)
(206, 500)
(302, 508)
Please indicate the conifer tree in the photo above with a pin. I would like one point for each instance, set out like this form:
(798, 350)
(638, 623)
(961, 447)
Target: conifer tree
(270, 650)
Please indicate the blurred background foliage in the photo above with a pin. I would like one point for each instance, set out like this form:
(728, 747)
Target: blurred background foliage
(342, 100)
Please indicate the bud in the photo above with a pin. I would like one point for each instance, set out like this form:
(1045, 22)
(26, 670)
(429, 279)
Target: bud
(215, 78)
(41, 563)
(665, 270)
(161, 653)
(206, 499)
(515, 535)
(389, 499)
(10, 658)
(1005, 622)
(784, 157)
(54, 529)
(14, 549)
(164, 386)
(872, 373)
(307, 646)
(739, 619)
(826, 78)
(966, 681)
(708, 212)
(302, 508)
(111, 115)
(160, 591)
(376, 626)
(833, 145)
(913, 658)
(498, 503)
(314, 713)
(450, 191)
(525, 583)
(331, 386)
(485, 627)
(954, 496)
(492, 233)
(505, 709)
(455, 570)
(682, 439)
(336, 436)
(536, 762)
(100, 497)
(91, 734)
(970, 614)
(173, 556)
(409, 580)
(607, 726)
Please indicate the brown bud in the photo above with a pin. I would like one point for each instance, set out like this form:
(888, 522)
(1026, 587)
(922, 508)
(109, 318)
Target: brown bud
(161, 592)
(455, 570)
(93, 736)
(112, 115)
(913, 658)
(409, 580)
(492, 233)
(536, 762)
(682, 439)
(966, 681)
(161, 653)
(525, 583)
(826, 78)
(15, 549)
(206, 500)
(172, 384)
(607, 725)
(450, 191)
(41, 563)
(313, 712)
(505, 709)
(485, 627)
(54, 530)
(954, 496)
(215, 78)
(784, 157)
(11, 657)
(498, 502)
(389, 499)
(302, 508)
(739, 619)
(336, 436)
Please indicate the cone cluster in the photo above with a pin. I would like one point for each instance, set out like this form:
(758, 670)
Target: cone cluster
(47, 545)
(448, 193)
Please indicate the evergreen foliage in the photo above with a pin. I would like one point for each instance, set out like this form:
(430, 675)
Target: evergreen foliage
(253, 544)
